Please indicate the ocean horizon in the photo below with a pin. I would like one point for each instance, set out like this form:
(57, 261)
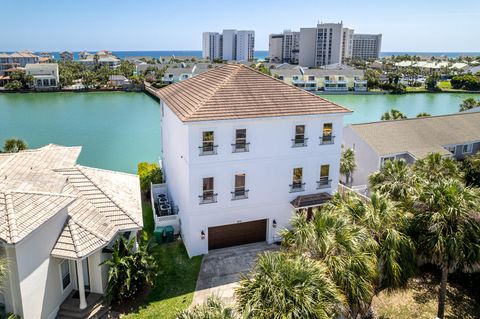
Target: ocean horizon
(260, 54)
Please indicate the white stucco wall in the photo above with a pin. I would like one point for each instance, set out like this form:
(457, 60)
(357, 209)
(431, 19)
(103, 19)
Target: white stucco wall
(268, 167)
(366, 158)
(38, 273)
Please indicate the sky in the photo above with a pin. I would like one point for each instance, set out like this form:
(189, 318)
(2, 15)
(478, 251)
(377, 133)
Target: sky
(121, 25)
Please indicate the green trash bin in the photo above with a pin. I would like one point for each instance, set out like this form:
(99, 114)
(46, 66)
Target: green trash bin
(159, 234)
(168, 234)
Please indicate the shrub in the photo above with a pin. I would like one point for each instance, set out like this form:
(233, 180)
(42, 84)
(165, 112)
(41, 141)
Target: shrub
(149, 173)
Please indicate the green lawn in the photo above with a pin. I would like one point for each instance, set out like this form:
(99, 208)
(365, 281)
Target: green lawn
(445, 85)
(175, 284)
(416, 89)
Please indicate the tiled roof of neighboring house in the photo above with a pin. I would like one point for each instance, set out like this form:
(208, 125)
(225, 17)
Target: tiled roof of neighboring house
(117, 78)
(420, 136)
(235, 91)
(39, 183)
(22, 212)
(286, 72)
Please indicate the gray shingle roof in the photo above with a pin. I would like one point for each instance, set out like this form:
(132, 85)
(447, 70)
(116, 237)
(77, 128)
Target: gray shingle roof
(420, 136)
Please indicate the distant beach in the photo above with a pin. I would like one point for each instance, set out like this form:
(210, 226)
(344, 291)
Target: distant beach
(261, 55)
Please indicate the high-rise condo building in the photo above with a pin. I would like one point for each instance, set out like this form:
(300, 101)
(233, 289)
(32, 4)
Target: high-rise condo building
(347, 43)
(321, 45)
(284, 47)
(245, 45)
(367, 46)
(212, 45)
(230, 45)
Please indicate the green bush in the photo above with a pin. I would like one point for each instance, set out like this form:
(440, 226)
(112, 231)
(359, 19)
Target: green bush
(149, 173)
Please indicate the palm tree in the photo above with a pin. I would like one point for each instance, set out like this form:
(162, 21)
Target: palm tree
(348, 164)
(394, 179)
(468, 104)
(434, 167)
(129, 269)
(423, 114)
(346, 249)
(14, 145)
(394, 114)
(213, 308)
(387, 224)
(283, 286)
(447, 229)
(3, 271)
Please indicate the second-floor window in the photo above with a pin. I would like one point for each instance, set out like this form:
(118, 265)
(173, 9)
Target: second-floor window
(311, 78)
(299, 139)
(327, 136)
(241, 144)
(297, 180)
(240, 192)
(208, 144)
(208, 194)
(467, 148)
(324, 181)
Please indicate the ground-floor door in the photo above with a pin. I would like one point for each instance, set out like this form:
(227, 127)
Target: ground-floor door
(237, 234)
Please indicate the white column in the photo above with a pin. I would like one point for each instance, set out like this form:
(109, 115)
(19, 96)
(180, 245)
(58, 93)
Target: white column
(81, 286)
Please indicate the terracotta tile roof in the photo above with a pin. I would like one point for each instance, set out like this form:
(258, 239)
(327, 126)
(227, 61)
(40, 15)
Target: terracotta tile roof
(235, 91)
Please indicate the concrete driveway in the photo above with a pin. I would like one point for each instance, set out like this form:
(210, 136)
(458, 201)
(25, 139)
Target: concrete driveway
(221, 269)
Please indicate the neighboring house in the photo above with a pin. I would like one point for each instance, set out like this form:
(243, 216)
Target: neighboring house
(66, 56)
(118, 80)
(16, 60)
(374, 143)
(174, 75)
(328, 80)
(58, 221)
(45, 75)
(242, 152)
(102, 58)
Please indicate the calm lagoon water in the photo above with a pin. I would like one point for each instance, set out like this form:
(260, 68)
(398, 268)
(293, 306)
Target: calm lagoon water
(369, 108)
(118, 130)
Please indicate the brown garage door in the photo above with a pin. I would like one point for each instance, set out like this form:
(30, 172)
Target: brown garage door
(237, 234)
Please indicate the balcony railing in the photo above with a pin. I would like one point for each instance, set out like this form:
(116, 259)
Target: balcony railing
(297, 187)
(324, 182)
(299, 142)
(239, 194)
(209, 198)
(327, 139)
(208, 150)
(240, 147)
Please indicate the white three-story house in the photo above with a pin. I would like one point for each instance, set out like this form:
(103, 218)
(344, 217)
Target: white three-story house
(242, 152)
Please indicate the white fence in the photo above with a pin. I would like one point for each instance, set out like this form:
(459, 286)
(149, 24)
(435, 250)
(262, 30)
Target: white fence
(167, 220)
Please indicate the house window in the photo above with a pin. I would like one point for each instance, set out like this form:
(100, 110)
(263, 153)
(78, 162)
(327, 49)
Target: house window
(325, 180)
(299, 139)
(65, 274)
(208, 196)
(327, 137)
(451, 149)
(386, 159)
(280, 77)
(241, 144)
(240, 192)
(297, 185)
(208, 146)
(295, 78)
(467, 148)
(311, 78)
(327, 78)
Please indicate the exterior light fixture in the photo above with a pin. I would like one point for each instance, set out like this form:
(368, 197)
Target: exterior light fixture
(202, 235)
(274, 223)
